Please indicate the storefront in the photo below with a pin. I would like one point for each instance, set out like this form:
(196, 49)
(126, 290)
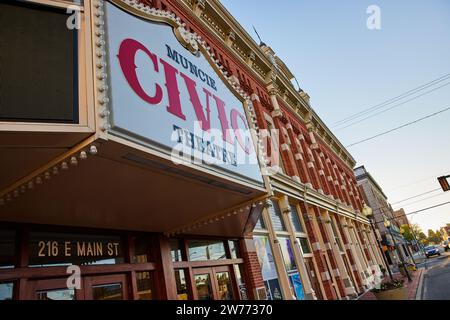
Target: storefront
(41, 263)
(133, 169)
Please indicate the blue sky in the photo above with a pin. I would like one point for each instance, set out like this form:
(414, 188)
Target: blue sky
(346, 68)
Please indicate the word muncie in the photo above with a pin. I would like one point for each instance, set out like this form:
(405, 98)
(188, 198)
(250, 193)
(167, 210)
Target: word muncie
(229, 122)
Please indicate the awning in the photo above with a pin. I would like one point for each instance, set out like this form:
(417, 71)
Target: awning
(105, 184)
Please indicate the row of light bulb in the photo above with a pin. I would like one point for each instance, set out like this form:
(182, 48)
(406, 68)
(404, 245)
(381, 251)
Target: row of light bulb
(63, 165)
(215, 219)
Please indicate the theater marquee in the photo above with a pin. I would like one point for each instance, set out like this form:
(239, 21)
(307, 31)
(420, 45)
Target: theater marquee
(166, 95)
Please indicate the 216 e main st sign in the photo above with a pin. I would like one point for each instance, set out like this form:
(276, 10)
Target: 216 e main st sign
(162, 94)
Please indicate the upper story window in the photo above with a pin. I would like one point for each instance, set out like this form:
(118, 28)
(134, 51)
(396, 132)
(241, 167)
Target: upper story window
(304, 245)
(336, 235)
(175, 250)
(200, 250)
(141, 246)
(260, 224)
(295, 219)
(275, 216)
(234, 249)
(39, 81)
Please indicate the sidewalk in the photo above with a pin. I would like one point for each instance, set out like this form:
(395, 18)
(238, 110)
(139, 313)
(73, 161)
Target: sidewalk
(412, 286)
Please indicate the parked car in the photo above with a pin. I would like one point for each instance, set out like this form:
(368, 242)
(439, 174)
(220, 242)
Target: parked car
(431, 251)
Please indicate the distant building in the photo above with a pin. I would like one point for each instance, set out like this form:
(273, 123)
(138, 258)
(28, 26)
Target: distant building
(375, 198)
(401, 217)
(445, 231)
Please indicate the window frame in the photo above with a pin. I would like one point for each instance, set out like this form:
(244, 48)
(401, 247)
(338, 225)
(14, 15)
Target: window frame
(85, 88)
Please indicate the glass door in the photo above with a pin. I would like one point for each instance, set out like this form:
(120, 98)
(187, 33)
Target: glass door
(203, 284)
(112, 287)
(224, 282)
(53, 289)
(213, 283)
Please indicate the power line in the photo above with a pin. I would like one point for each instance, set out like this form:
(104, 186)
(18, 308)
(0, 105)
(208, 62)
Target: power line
(434, 190)
(392, 107)
(380, 209)
(397, 128)
(417, 181)
(436, 195)
(389, 206)
(417, 211)
(394, 99)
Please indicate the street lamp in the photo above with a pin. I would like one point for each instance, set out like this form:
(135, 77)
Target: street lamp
(368, 212)
(387, 224)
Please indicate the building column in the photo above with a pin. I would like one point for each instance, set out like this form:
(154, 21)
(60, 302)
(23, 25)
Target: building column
(252, 268)
(378, 251)
(362, 252)
(359, 265)
(350, 255)
(349, 289)
(308, 215)
(329, 253)
(165, 280)
(372, 268)
(375, 266)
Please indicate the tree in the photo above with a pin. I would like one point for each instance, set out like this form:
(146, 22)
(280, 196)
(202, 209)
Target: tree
(422, 238)
(409, 231)
(434, 236)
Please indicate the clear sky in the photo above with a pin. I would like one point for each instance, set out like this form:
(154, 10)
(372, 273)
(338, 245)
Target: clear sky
(346, 68)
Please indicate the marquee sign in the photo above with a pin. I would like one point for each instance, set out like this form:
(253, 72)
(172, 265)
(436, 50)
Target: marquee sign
(168, 95)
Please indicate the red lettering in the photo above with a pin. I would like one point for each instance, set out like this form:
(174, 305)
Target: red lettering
(173, 92)
(205, 121)
(127, 54)
(223, 120)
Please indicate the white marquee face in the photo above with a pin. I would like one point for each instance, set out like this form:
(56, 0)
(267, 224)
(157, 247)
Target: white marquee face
(162, 94)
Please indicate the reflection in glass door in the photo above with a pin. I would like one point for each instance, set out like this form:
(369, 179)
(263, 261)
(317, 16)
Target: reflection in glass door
(203, 286)
(52, 289)
(224, 288)
(213, 283)
(110, 291)
(112, 287)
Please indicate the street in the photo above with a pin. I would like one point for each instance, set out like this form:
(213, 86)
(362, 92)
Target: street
(436, 281)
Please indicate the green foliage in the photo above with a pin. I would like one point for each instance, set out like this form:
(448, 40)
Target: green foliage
(395, 284)
(407, 233)
(434, 237)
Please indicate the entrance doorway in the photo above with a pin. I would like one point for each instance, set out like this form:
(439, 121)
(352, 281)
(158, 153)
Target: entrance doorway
(214, 283)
